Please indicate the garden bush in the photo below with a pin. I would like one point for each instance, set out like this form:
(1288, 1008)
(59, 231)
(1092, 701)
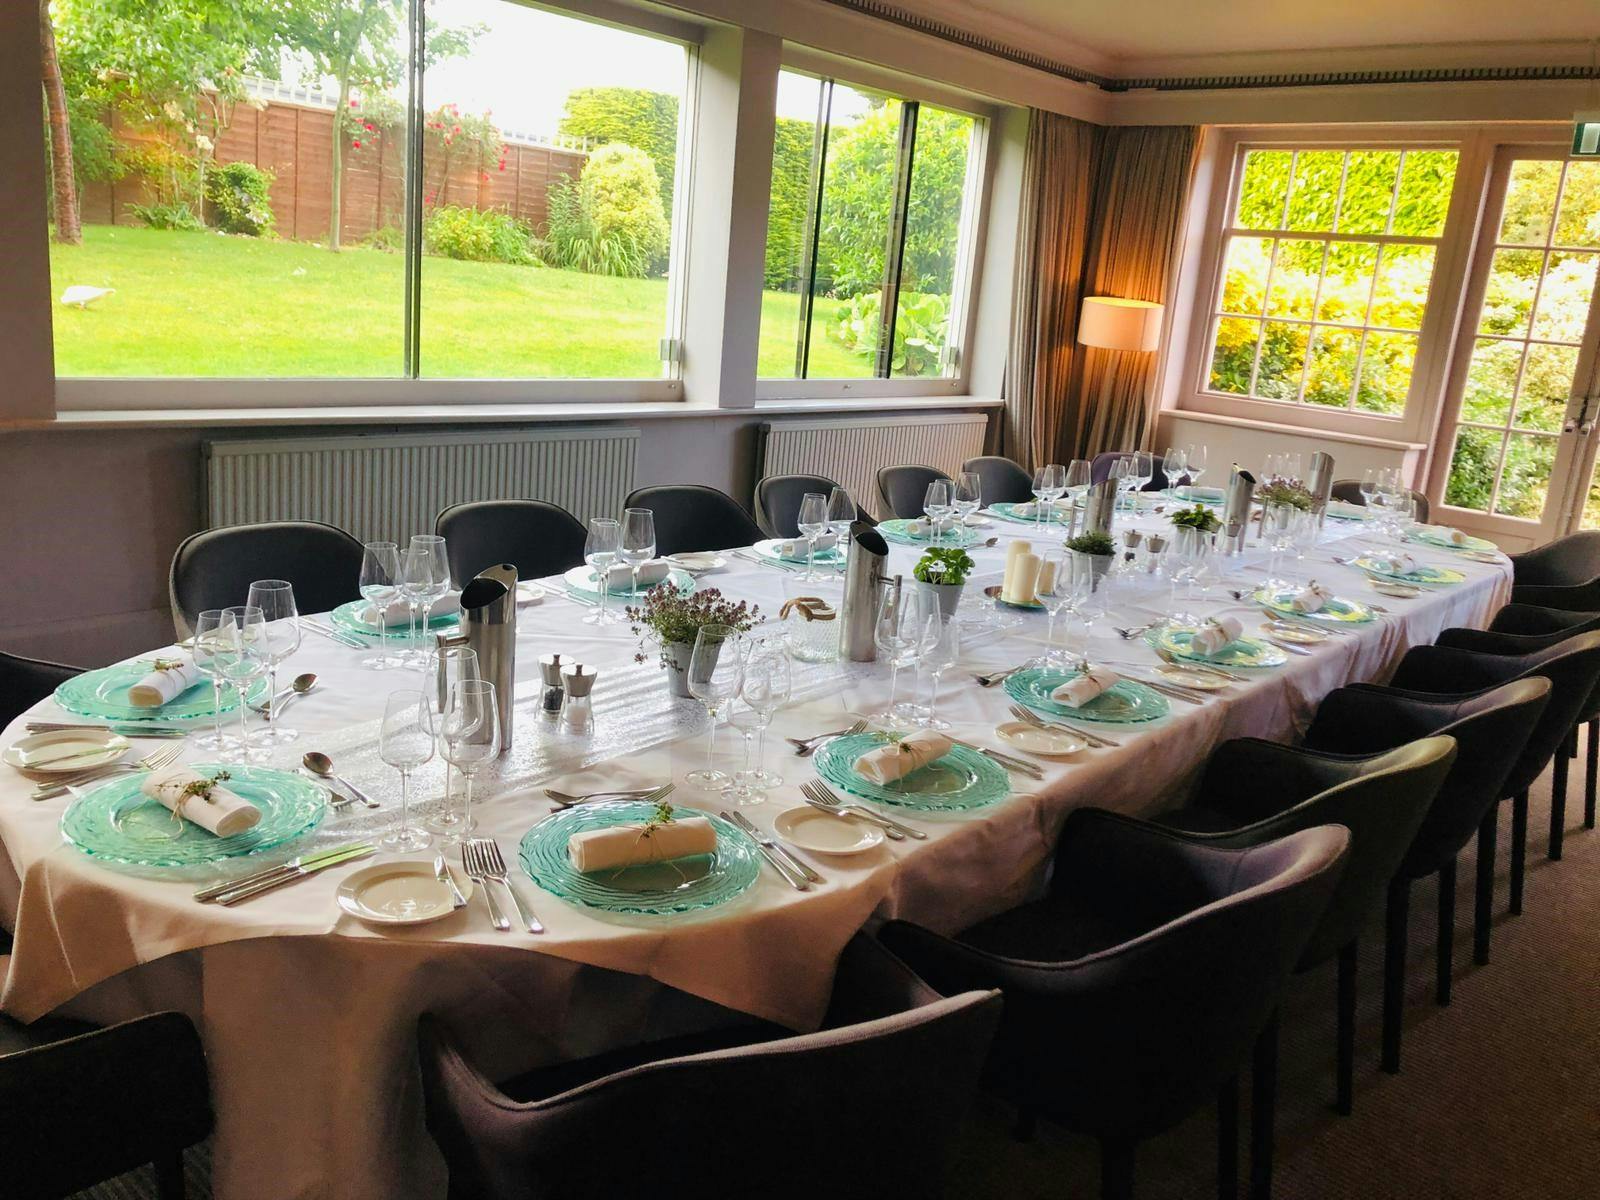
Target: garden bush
(453, 231)
(167, 216)
(238, 193)
(611, 221)
(920, 327)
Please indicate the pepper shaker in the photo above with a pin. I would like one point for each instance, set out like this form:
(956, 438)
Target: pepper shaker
(577, 712)
(554, 692)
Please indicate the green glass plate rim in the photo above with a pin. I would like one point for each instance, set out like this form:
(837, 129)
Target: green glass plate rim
(677, 576)
(1016, 688)
(1268, 655)
(127, 714)
(345, 618)
(766, 549)
(835, 762)
(1324, 614)
(960, 536)
(1006, 510)
(1442, 576)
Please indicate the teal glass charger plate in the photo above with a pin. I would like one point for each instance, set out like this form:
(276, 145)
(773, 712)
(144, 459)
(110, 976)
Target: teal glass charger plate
(118, 823)
(962, 780)
(833, 556)
(1198, 495)
(348, 617)
(1337, 611)
(103, 694)
(1127, 702)
(677, 885)
(898, 530)
(582, 580)
(1470, 543)
(1242, 652)
(1007, 511)
(1423, 574)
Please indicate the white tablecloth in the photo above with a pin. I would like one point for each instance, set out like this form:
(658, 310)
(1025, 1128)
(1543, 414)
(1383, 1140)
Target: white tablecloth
(309, 1016)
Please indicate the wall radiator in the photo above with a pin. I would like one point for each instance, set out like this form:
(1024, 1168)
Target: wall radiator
(387, 487)
(850, 452)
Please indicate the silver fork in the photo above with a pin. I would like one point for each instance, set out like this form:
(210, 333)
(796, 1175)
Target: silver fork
(151, 762)
(804, 747)
(1130, 634)
(567, 799)
(494, 867)
(839, 812)
(994, 677)
(824, 797)
(477, 870)
(1033, 718)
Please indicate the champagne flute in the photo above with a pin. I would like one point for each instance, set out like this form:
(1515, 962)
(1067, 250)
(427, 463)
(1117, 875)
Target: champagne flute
(457, 663)
(380, 586)
(714, 673)
(470, 731)
(242, 659)
(1055, 593)
(405, 742)
(211, 634)
(638, 541)
(764, 683)
(600, 551)
(943, 651)
(813, 523)
(966, 496)
(1088, 594)
(275, 599)
(425, 576)
(779, 687)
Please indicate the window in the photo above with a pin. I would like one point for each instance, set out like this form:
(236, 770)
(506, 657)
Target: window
(1327, 261)
(868, 234)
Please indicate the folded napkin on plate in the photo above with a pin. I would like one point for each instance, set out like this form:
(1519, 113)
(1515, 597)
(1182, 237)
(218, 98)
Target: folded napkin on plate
(1030, 509)
(919, 528)
(630, 845)
(219, 811)
(899, 759)
(1311, 598)
(1216, 635)
(1395, 564)
(1094, 682)
(797, 547)
(1343, 508)
(1444, 533)
(162, 685)
(620, 576)
(398, 612)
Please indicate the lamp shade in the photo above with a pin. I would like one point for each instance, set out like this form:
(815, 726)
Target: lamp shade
(1115, 324)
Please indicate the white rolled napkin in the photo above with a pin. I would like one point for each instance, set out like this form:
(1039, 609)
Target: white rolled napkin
(796, 548)
(159, 687)
(899, 759)
(1395, 564)
(1444, 533)
(1094, 682)
(633, 844)
(620, 576)
(1216, 636)
(398, 612)
(220, 811)
(919, 528)
(1310, 598)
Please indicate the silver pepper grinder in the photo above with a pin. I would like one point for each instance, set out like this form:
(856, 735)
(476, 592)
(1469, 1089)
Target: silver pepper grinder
(577, 710)
(554, 692)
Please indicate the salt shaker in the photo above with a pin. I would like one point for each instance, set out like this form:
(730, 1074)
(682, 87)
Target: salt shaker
(577, 712)
(554, 693)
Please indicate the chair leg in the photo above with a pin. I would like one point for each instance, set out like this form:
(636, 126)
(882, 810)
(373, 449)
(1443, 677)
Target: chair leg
(1345, 1067)
(169, 1176)
(1483, 900)
(1593, 760)
(1228, 1140)
(1263, 1109)
(1116, 1169)
(1394, 971)
(1519, 849)
(1558, 797)
(1445, 936)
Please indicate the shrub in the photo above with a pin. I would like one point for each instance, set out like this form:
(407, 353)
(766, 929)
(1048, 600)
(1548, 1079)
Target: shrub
(238, 193)
(454, 231)
(167, 216)
(390, 239)
(610, 222)
(920, 326)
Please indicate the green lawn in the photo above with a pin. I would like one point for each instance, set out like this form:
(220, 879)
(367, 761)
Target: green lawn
(206, 304)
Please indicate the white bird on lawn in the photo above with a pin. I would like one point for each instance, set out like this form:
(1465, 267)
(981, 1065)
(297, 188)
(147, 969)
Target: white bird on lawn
(83, 296)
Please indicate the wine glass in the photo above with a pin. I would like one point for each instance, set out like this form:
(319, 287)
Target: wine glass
(936, 505)
(275, 599)
(1079, 475)
(813, 523)
(405, 742)
(241, 659)
(1088, 593)
(764, 684)
(714, 673)
(600, 551)
(942, 651)
(1121, 475)
(966, 496)
(1054, 591)
(457, 663)
(1172, 466)
(841, 513)
(1194, 462)
(902, 618)
(470, 731)
(424, 577)
(380, 586)
(1049, 481)
(1370, 481)
(638, 540)
(211, 633)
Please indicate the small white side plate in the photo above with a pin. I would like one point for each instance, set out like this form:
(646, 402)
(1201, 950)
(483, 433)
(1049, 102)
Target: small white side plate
(529, 593)
(824, 833)
(696, 561)
(1046, 743)
(1299, 634)
(1189, 677)
(79, 750)
(1402, 591)
(399, 893)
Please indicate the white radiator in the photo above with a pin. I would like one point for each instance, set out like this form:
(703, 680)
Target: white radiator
(850, 452)
(387, 487)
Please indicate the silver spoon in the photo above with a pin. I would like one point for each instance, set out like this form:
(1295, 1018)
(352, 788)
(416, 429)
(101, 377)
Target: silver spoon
(299, 686)
(320, 764)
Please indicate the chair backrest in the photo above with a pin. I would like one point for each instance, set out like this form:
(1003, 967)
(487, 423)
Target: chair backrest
(1100, 470)
(1002, 480)
(26, 681)
(89, 1108)
(215, 567)
(1532, 620)
(535, 536)
(778, 502)
(1564, 562)
(904, 488)
(1349, 490)
(890, 1092)
(692, 517)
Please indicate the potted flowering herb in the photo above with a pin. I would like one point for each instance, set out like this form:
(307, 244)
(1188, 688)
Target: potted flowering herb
(1097, 549)
(1199, 517)
(943, 572)
(672, 619)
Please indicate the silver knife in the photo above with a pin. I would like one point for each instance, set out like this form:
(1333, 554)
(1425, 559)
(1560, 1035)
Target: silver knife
(775, 846)
(794, 880)
(458, 898)
(132, 730)
(299, 872)
(304, 860)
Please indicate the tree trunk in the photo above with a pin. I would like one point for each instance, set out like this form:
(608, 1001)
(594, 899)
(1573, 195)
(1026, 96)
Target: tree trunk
(336, 180)
(64, 184)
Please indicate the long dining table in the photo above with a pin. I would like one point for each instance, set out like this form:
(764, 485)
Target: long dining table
(309, 1016)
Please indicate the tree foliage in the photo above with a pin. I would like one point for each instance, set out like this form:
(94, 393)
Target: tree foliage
(634, 117)
(610, 220)
(790, 203)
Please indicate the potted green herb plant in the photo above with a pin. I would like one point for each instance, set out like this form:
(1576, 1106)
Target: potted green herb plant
(943, 573)
(1095, 548)
(672, 619)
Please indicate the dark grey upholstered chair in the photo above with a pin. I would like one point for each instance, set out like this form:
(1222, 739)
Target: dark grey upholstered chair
(905, 488)
(1566, 562)
(1349, 490)
(84, 1105)
(1100, 470)
(535, 536)
(1254, 791)
(692, 517)
(1002, 480)
(778, 502)
(889, 1077)
(1491, 729)
(1134, 989)
(215, 567)
(26, 681)
(1573, 669)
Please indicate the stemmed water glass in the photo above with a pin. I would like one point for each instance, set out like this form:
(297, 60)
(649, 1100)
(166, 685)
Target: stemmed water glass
(714, 674)
(936, 504)
(1141, 471)
(470, 731)
(600, 551)
(1049, 481)
(211, 634)
(841, 514)
(764, 685)
(943, 651)
(405, 742)
(424, 577)
(241, 659)
(901, 626)
(1279, 526)
(637, 540)
(1194, 462)
(966, 496)
(1055, 593)
(1089, 587)
(812, 522)
(1172, 466)
(458, 663)
(275, 599)
(380, 586)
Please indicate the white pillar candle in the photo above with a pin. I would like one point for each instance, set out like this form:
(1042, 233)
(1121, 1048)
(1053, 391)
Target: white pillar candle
(1024, 578)
(1013, 552)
